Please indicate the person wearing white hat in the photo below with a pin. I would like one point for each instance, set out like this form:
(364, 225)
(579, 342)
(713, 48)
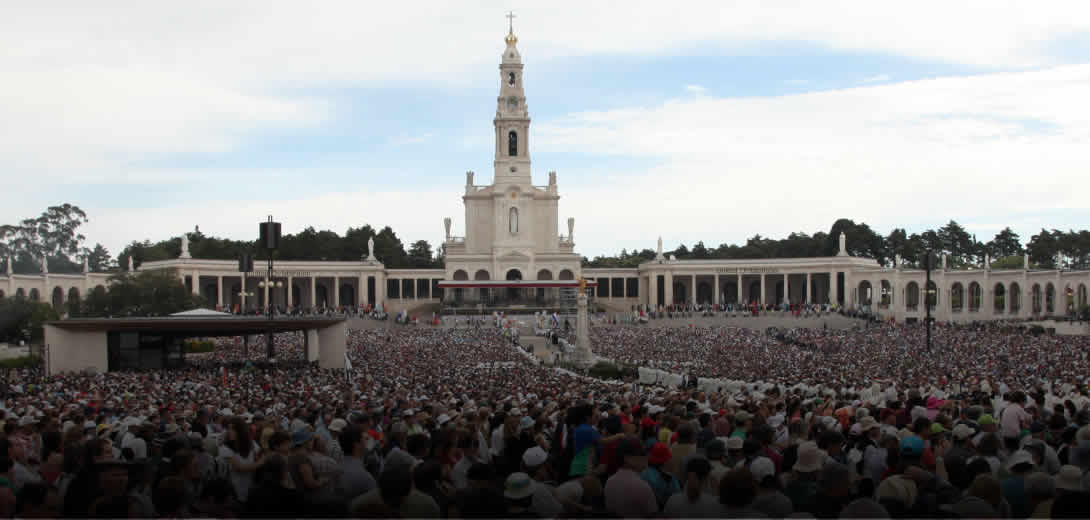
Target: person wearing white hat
(544, 504)
(336, 426)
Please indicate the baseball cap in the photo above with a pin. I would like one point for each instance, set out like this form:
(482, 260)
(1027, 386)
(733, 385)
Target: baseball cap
(534, 457)
(337, 425)
(963, 431)
(912, 445)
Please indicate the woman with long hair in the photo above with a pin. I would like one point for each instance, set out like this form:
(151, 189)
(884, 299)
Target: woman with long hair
(240, 452)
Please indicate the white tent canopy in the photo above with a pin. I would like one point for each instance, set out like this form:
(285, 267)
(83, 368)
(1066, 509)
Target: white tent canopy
(200, 312)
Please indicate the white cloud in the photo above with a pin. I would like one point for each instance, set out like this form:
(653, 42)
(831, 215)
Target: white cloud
(967, 148)
(695, 89)
(89, 90)
(881, 78)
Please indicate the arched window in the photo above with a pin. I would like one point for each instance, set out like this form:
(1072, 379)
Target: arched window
(513, 220)
(512, 143)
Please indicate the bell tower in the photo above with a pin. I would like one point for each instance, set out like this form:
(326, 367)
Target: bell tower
(512, 122)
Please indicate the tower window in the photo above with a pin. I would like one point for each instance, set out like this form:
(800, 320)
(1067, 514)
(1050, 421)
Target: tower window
(511, 78)
(512, 143)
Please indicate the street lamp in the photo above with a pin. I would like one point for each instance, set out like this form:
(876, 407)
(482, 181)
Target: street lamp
(269, 239)
(929, 295)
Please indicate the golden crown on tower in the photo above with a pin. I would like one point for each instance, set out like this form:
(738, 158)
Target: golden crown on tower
(510, 38)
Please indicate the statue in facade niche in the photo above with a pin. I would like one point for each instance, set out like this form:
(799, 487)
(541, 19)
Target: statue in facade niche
(371, 248)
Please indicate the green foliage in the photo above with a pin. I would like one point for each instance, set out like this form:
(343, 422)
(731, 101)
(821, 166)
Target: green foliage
(20, 362)
(23, 320)
(145, 293)
(194, 346)
(1008, 262)
(605, 370)
(308, 244)
(54, 235)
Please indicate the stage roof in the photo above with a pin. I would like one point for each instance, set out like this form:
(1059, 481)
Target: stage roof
(197, 325)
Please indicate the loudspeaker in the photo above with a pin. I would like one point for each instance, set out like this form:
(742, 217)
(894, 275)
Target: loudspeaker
(269, 234)
(245, 263)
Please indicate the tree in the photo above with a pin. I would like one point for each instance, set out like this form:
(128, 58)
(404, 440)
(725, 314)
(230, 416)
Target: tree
(54, 235)
(1043, 248)
(388, 248)
(98, 259)
(1006, 243)
(700, 251)
(145, 293)
(956, 242)
(24, 320)
(420, 254)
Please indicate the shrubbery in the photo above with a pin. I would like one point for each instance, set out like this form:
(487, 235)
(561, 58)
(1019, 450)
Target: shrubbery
(193, 346)
(20, 362)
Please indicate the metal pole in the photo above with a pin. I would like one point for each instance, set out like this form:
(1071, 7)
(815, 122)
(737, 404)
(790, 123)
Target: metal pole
(268, 308)
(927, 299)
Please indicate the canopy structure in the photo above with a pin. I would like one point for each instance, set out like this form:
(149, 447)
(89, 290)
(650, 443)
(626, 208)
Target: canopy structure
(108, 344)
(510, 296)
(200, 312)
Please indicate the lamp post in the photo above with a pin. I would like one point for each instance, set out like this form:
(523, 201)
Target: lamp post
(928, 296)
(269, 239)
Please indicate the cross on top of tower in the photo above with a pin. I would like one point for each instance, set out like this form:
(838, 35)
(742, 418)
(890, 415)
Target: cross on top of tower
(511, 22)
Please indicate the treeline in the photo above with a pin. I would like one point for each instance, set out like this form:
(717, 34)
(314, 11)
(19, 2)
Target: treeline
(1049, 249)
(308, 244)
(54, 235)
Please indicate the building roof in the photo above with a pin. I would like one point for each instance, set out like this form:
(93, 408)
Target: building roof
(227, 325)
(516, 284)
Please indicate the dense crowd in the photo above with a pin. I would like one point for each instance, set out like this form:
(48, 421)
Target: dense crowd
(457, 422)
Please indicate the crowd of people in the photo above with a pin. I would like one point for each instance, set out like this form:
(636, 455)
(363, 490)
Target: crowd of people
(457, 422)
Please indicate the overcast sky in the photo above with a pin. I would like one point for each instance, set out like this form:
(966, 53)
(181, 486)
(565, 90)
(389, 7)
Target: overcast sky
(695, 121)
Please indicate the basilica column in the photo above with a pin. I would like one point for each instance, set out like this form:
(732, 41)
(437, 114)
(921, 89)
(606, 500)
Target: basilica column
(313, 292)
(786, 289)
(219, 292)
(808, 289)
(336, 292)
(762, 289)
(717, 288)
(692, 290)
(196, 283)
(287, 300)
(362, 285)
(668, 288)
(833, 287)
(738, 289)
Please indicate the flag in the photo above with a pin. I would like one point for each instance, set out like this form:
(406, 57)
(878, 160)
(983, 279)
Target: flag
(556, 320)
(347, 369)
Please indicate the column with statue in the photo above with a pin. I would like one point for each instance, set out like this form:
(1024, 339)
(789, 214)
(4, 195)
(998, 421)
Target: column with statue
(582, 355)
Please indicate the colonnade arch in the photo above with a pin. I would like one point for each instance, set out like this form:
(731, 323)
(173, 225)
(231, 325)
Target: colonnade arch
(566, 274)
(999, 298)
(912, 296)
(1050, 298)
(957, 297)
(544, 274)
(1035, 297)
(35, 296)
(1015, 298)
(57, 298)
(976, 296)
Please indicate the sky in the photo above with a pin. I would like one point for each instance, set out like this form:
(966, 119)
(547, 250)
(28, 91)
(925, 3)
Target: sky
(710, 121)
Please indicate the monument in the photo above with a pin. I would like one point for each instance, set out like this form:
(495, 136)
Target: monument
(45, 265)
(131, 268)
(371, 249)
(583, 355)
(185, 247)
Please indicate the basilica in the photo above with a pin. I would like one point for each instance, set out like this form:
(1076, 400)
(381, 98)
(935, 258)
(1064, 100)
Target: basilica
(516, 256)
